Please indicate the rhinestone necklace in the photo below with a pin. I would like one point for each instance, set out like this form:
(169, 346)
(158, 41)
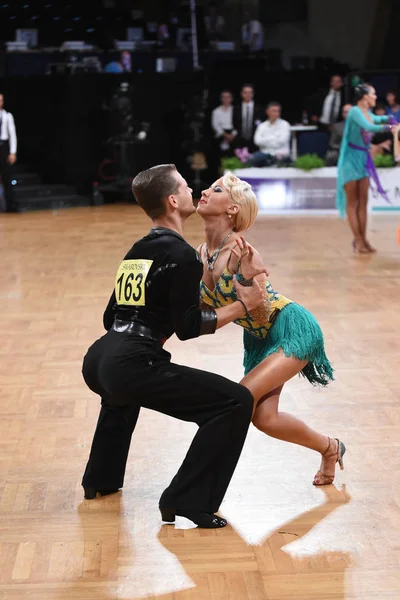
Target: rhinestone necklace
(211, 259)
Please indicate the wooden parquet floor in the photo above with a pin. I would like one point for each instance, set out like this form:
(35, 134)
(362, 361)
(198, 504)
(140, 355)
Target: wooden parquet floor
(287, 539)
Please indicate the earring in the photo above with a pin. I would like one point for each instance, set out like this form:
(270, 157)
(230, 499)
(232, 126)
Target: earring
(229, 216)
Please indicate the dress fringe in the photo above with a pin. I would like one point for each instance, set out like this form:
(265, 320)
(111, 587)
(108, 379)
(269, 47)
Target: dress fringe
(297, 333)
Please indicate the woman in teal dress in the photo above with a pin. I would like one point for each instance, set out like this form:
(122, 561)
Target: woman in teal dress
(356, 167)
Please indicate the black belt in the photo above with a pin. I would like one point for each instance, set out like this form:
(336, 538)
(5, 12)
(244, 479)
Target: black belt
(134, 327)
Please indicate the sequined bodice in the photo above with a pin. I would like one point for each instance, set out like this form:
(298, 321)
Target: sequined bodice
(224, 293)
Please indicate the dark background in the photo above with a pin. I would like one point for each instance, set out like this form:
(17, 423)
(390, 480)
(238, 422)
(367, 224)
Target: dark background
(62, 121)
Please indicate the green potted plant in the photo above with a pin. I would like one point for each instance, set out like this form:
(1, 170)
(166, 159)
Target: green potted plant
(308, 162)
(384, 161)
(232, 163)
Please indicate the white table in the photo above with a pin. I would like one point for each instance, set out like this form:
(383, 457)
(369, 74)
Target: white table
(294, 129)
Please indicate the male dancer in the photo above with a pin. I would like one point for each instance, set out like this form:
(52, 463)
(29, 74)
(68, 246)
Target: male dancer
(157, 294)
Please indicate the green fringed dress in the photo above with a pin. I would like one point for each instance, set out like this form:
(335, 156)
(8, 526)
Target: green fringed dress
(280, 325)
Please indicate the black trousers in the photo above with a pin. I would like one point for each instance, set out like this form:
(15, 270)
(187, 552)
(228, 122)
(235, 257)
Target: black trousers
(129, 372)
(6, 174)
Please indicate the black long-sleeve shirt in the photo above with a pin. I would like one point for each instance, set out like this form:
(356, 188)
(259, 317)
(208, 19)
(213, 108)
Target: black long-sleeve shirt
(157, 285)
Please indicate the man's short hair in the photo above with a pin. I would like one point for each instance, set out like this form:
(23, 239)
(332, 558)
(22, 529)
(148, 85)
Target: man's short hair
(245, 85)
(152, 186)
(271, 104)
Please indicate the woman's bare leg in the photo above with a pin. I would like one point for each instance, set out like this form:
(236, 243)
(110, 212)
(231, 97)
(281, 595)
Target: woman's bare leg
(352, 189)
(363, 211)
(265, 382)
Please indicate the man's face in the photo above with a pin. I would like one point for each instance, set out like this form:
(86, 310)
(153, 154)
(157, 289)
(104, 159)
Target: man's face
(226, 99)
(336, 83)
(184, 196)
(247, 94)
(1, 101)
(273, 113)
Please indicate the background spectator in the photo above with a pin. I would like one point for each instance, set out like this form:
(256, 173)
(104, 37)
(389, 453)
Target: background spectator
(381, 143)
(222, 123)
(246, 116)
(272, 137)
(252, 33)
(336, 138)
(393, 106)
(214, 23)
(8, 154)
(123, 66)
(325, 104)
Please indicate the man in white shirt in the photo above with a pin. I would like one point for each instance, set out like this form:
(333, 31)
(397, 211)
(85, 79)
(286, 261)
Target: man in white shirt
(8, 154)
(222, 123)
(272, 137)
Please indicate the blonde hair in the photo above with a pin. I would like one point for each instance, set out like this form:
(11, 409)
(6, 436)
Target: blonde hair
(244, 198)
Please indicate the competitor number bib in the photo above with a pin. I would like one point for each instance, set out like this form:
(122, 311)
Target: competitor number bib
(130, 282)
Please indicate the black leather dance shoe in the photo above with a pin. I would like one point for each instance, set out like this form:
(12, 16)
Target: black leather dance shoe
(202, 520)
(91, 493)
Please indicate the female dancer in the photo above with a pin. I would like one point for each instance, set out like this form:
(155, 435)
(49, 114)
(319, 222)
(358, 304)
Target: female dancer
(281, 339)
(355, 165)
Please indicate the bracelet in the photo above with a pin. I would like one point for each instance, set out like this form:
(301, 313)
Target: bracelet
(244, 282)
(244, 306)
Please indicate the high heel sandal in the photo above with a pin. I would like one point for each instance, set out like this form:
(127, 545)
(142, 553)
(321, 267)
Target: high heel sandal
(360, 248)
(202, 520)
(322, 479)
(369, 247)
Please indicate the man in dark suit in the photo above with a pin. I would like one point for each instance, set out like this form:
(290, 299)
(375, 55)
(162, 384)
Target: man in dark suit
(8, 155)
(335, 140)
(246, 116)
(325, 105)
